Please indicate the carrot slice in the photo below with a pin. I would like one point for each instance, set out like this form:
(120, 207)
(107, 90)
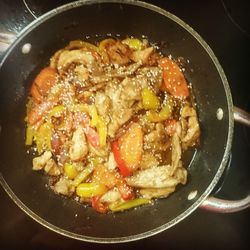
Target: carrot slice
(102, 175)
(173, 79)
(131, 146)
(43, 83)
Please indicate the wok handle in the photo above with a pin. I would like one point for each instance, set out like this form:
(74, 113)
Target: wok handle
(228, 206)
(225, 206)
(241, 116)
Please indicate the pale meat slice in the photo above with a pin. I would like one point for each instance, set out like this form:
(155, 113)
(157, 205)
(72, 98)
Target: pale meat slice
(40, 161)
(125, 95)
(64, 187)
(176, 153)
(68, 57)
(190, 127)
(142, 55)
(79, 148)
(111, 196)
(155, 177)
(51, 168)
(150, 193)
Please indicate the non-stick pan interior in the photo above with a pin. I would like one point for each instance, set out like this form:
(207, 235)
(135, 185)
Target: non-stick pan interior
(95, 22)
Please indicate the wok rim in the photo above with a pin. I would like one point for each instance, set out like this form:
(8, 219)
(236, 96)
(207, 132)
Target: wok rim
(227, 150)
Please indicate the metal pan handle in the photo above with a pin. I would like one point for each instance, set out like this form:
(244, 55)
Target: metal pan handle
(229, 206)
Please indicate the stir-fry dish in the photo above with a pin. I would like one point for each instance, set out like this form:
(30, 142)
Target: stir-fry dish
(109, 123)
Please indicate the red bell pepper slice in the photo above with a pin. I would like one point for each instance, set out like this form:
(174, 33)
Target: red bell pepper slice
(98, 205)
(120, 162)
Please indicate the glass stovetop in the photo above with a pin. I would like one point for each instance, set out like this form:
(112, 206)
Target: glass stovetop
(224, 25)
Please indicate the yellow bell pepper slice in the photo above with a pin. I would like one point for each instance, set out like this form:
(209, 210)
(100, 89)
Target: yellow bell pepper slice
(102, 131)
(43, 137)
(164, 113)
(89, 190)
(149, 99)
(56, 111)
(29, 135)
(70, 171)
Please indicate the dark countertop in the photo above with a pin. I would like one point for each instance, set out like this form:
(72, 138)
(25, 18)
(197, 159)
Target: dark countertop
(227, 34)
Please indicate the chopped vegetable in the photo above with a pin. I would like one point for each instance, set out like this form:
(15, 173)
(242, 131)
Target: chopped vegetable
(43, 83)
(56, 111)
(96, 121)
(39, 110)
(104, 176)
(133, 43)
(92, 137)
(131, 146)
(43, 137)
(98, 205)
(173, 79)
(128, 204)
(102, 131)
(120, 162)
(125, 190)
(70, 171)
(165, 113)
(82, 176)
(149, 99)
(89, 190)
(110, 179)
(29, 136)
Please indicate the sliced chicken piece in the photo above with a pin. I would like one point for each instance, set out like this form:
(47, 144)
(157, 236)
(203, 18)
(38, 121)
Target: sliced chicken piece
(181, 175)
(40, 161)
(150, 193)
(190, 127)
(118, 118)
(111, 196)
(157, 140)
(155, 177)
(111, 164)
(119, 53)
(124, 71)
(153, 76)
(102, 103)
(82, 73)
(142, 55)
(64, 186)
(123, 96)
(51, 168)
(176, 153)
(68, 57)
(79, 148)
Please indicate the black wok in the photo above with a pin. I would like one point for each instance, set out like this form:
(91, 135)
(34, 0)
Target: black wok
(96, 20)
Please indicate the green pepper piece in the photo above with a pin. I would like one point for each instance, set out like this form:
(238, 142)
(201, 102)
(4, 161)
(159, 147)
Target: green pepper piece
(128, 204)
(133, 43)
